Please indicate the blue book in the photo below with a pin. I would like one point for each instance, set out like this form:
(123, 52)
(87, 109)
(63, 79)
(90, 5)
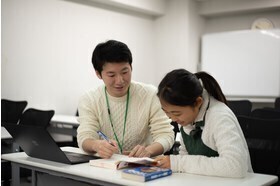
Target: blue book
(145, 173)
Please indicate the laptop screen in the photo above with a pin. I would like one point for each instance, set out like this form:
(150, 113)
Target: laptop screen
(38, 143)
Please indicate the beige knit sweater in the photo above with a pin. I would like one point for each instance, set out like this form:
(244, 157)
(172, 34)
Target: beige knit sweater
(146, 122)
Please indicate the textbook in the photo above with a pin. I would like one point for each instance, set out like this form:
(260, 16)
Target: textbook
(119, 161)
(145, 173)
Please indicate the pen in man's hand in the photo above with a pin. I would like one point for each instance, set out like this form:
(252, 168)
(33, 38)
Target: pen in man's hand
(103, 136)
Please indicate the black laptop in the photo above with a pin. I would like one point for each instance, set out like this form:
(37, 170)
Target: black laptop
(36, 142)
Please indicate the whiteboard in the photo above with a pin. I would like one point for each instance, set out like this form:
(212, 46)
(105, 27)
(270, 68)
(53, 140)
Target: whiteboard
(245, 63)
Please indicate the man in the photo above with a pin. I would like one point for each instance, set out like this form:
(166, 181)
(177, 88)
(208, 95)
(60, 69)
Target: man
(127, 112)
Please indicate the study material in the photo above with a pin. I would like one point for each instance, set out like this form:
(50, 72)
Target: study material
(119, 161)
(144, 174)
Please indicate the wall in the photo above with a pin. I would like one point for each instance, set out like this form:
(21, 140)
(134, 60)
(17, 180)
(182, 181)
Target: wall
(177, 37)
(240, 18)
(47, 47)
(242, 21)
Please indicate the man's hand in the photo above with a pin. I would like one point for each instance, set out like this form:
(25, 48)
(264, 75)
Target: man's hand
(138, 151)
(105, 149)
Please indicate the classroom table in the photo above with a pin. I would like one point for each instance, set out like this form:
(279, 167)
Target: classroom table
(7, 141)
(64, 124)
(88, 174)
(65, 119)
(5, 135)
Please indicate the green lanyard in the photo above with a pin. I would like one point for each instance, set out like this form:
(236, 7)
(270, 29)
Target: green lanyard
(125, 116)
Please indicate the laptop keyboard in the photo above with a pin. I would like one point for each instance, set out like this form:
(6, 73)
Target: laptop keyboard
(76, 157)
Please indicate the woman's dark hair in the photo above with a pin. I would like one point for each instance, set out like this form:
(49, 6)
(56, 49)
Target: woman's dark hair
(181, 87)
(111, 51)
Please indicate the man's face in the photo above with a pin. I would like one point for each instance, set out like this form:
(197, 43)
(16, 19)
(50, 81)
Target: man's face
(116, 77)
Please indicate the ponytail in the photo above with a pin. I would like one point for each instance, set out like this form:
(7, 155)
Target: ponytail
(212, 86)
(181, 87)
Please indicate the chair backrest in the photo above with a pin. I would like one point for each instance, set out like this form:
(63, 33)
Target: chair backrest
(11, 110)
(240, 107)
(36, 117)
(277, 103)
(176, 127)
(263, 139)
(175, 130)
(266, 113)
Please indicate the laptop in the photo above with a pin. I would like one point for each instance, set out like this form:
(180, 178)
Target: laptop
(36, 142)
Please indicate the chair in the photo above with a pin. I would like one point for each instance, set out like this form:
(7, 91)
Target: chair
(36, 117)
(266, 113)
(11, 110)
(74, 139)
(175, 146)
(277, 103)
(263, 139)
(240, 107)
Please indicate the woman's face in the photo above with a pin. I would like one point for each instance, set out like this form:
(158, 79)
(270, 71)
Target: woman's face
(183, 115)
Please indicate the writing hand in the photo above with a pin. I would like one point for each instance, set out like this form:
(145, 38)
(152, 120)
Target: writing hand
(106, 149)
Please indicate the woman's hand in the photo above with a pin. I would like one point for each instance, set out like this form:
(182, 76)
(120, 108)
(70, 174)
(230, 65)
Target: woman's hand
(163, 161)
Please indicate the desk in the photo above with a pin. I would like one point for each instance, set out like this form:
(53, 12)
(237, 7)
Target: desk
(7, 143)
(64, 124)
(94, 175)
(5, 134)
(65, 119)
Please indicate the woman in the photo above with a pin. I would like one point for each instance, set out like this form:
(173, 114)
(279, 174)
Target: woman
(212, 142)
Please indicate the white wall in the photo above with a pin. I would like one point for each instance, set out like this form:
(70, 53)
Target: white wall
(242, 20)
(47, 47)
(178, 34)
(47, 44)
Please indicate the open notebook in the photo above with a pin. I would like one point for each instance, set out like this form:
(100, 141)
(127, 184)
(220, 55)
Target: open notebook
(36, 142)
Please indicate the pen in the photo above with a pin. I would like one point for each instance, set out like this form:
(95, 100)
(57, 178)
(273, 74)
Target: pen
(103, 136)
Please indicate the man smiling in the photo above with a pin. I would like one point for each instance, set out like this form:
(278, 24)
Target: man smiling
(127, 112)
